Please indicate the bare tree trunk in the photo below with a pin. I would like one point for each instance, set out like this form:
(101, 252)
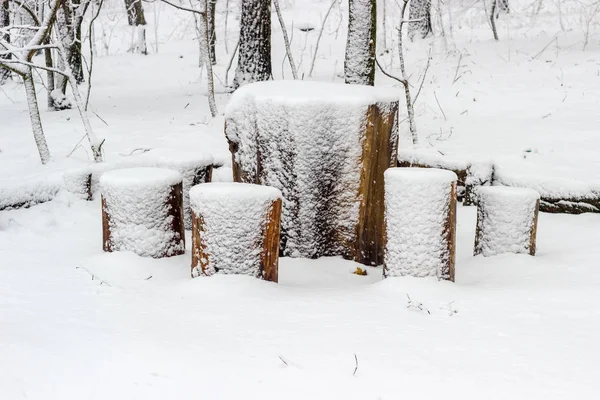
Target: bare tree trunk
(204, 33)
(420, 13)
(493, 19)
(95, 145)
(137, 20)
(254, 61)
(4, 21)
(359, 63)
(211, 6)
(409, 103)
(286, 40)
(34, 115)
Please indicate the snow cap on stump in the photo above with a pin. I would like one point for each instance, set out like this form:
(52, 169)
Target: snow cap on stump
(420, 222)
(506, 220)
(142, 211)
(235, 229)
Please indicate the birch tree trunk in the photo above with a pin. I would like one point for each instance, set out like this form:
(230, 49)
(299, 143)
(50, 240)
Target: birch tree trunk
(205, 56)
(254, 60)
(34, 115)
(420, 12)
(359, 63)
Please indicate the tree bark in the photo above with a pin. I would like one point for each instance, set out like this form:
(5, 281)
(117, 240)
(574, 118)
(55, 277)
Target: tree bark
(212, 35)
(4, 21)
(137, 19)
(419, 11)
(254, 60)
(359, 63)
(34, 115)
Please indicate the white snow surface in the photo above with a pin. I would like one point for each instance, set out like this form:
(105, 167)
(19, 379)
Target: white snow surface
(506, 219)
(417, 202)
(234, 216)
(77, 323)
(305, 138)
(137, 202)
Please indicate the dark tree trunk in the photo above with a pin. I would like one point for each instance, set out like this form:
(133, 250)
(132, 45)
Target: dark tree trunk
(419, 11)
(137, 19)
(135, 12)
(212, 35)
(359, 63)
(4, 21)
(254, 61)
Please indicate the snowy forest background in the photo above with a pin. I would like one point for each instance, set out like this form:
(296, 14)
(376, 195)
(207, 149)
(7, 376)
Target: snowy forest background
(513, 82)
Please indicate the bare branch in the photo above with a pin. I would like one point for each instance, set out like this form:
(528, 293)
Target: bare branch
(182, 8)
(402, 81)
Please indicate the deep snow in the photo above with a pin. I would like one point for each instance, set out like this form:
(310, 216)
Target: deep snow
(76, 323)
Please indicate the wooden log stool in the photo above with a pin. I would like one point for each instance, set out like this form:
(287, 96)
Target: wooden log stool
(325, 146)
(420, 222)
(235, 230)
(142, 212)
(195, 168)
(506, 220)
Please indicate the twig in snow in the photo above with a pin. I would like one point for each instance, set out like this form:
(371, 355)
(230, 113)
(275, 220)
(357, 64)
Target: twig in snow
(100, 118)
(283, 361)
(450, 309)
(424, 75)
(102, 282)
(417, 305)
(438, 103)
(545, 47)
(456, 77)
(355, 365)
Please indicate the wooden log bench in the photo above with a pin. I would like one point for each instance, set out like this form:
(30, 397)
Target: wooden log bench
(142, 212)
(420, 222)
(506, 221)
(235, 230)
(326, 147)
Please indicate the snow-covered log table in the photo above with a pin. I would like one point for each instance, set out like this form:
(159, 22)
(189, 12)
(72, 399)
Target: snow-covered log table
(326, 147)
(506, 220)
(420, 222)
(235, 229)
(142, 212)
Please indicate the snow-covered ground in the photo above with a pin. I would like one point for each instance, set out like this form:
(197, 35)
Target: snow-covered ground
(76, 323)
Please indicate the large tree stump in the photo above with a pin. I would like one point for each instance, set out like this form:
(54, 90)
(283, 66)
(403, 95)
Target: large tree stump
(506, 220)
(420, 222)
(325, 146)
(235, 230)
(142, 212)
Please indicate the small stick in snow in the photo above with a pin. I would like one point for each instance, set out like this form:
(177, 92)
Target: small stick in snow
(100, 118)
(438, 103)
(423, 80)
(456, 77)
(355, 365)
(283, 361)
